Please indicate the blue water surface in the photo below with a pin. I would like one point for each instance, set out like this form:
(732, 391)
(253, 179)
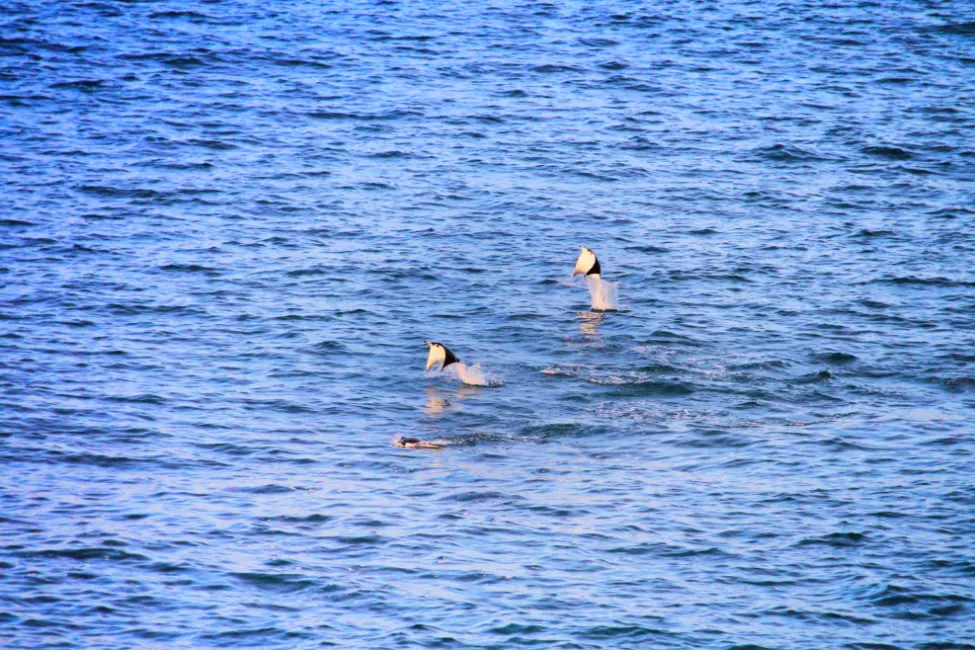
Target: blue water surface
(226, 229)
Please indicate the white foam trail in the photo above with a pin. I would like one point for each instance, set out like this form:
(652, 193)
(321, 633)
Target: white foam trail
(474, 376)
(602, 293)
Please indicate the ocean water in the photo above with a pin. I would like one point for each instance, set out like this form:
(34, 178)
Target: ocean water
(227, 228)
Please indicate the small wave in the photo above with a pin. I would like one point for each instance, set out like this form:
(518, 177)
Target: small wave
(270, 488)
(918, 171)
(937, 281)
(648, 249)
(192, 15)
(561, 371)
(652, 548)
(330, 346)
(289, 62)
(625, 388)
(542, 432)
(307, 519)
(962, 29)
(366, 117)
(836, 358)
(622, 632)
(838, 540)
(390, 154)
(88, 553)
(550, 68)
(598, 42)
(209, 143)
(873, 304)
(80, 84)
(189, 268)
(890, 153)
(658, 369)
(956, 384)
(477, 496)
(120, 192)
(515, 628)
(774, 364)
(317, 270)
(276, 582)
(142, 398)
(785, 153)
(866, 233)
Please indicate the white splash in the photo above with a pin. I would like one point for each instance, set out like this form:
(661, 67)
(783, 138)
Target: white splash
(473, 375)
(602, 293)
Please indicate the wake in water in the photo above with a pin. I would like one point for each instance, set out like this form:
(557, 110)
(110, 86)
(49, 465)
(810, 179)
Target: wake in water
(460, 440)
(469, 375)
(602, 294)
(417, 443)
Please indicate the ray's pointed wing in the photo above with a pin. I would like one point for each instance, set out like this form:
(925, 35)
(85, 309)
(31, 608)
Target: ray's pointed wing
(587, 263)
(439, 353)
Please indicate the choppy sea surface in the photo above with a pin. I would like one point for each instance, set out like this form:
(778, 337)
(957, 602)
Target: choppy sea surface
(226, 229)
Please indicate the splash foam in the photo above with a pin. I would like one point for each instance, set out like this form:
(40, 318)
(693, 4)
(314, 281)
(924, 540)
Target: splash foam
(474, 375)
(602, 293)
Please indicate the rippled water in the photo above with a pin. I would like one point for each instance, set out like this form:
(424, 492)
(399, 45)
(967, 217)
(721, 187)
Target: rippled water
(227, 228)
